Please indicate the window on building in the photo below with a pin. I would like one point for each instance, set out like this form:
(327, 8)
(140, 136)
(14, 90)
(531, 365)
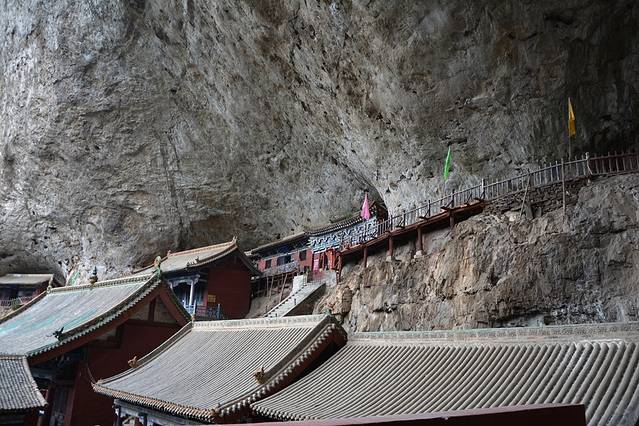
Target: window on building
(280, 260)
(302, 255)
(267, 264)
(288, 258)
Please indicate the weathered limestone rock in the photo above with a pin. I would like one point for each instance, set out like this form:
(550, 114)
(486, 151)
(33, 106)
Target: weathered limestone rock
(129, 127)
(504, 269)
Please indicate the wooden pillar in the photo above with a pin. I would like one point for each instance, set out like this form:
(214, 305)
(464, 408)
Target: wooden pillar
(118, 413)
(365, 256)
(563, 186)
(339, 268)
(389, 257)
(191, 293)
(419, 246)
(452, 220)
(44, 420)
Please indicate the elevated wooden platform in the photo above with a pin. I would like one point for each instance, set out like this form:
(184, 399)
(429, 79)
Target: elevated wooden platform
(447, 218)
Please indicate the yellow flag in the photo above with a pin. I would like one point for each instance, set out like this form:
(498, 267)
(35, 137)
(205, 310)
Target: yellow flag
(572, 130)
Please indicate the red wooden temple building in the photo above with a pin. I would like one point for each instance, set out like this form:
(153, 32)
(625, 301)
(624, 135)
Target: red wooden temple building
(279, 261)
(69, 335)
(212, 282)
(310, 252)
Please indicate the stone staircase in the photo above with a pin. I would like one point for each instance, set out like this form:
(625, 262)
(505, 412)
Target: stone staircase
(296, 297)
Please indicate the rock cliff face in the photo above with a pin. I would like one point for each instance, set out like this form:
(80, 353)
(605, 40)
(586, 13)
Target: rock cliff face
(129, 127)
(500, 269)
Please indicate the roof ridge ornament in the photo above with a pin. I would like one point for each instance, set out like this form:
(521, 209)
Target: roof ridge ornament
(133, 362)
(260, 375)
(58, 333)
(157, 265)
(94, 276)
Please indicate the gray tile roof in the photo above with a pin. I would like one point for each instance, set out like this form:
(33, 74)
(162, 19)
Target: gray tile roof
(424, 372)
(183, 260)
(288, 239)
(18, 390)
(74, 311)
(207, 370)
(26, 279)
(336, 226)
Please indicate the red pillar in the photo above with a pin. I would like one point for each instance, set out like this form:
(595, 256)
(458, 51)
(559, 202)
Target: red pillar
(419, 244)
(390, 247)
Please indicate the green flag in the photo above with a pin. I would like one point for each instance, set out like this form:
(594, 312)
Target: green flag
(447, 164)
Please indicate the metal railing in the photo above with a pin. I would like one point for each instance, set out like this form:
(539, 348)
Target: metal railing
(205, 312)
(15, 303)
(551, 174)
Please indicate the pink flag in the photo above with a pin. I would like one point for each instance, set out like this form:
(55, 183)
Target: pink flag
(366, 212)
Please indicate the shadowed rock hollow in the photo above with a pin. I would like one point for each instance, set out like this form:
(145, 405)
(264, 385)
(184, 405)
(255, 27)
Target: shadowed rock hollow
(132, 127)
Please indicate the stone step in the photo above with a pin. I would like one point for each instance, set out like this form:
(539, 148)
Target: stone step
(294, 299)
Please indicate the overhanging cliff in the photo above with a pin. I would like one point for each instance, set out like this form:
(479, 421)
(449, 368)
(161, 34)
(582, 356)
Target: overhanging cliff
(132, 127)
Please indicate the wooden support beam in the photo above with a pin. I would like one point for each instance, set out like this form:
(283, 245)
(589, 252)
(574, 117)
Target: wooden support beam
(419, 244)
(365, 256)
(452, 220)
(390, 248)
(282, 287)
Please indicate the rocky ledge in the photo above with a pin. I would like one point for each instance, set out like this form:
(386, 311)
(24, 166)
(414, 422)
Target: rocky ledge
(503, 268)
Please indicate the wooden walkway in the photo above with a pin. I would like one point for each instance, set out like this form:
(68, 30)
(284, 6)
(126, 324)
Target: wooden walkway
(460, 205)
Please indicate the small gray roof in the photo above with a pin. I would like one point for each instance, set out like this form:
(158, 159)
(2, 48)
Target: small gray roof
(194, 258)
(18, 390)
(73, 310)
(207, 369)
(286, 240)
(26, 279)
(424, 372)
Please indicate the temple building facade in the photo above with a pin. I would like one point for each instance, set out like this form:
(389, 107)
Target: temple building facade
(71, 335)
(326, 241)
(288, 255)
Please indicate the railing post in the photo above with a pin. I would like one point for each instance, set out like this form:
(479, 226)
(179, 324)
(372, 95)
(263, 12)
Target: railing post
(563, 185)
(587, 169)
(609, 163)
(531, 179)
(482, 191)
